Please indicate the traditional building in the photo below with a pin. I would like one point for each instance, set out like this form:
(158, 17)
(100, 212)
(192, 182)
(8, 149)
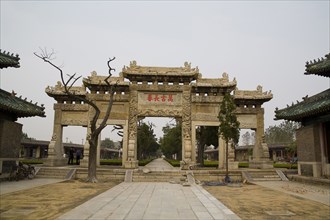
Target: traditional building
(146, 91)
(38, 149)
(12, 108)
(313, 138)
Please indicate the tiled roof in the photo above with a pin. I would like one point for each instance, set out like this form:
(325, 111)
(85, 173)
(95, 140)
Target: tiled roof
(316, 105)
(11, 104)
(8, 60)
(319, 67)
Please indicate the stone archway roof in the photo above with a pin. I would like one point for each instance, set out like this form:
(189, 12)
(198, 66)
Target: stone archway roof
(145, 73)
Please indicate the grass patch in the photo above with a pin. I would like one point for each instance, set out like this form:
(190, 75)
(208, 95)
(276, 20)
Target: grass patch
(208, 163)
(145, 162)
(243, 165)
(111, 162)
(175, 163)
(118, 162)
(285, 165)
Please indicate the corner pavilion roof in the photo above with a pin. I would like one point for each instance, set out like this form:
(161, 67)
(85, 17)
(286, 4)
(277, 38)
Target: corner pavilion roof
(320, 67)
(9, 103)
(316, 105)
(13, 105)
(8, 60)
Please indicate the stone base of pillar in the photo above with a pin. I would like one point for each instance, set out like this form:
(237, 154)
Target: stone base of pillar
(56, 162)
(132, 164)
(84, 162)
(187, 164)
(233, 165)
(261, 164)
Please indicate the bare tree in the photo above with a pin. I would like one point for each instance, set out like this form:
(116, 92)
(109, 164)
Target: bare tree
(246, 138)
(95, 129)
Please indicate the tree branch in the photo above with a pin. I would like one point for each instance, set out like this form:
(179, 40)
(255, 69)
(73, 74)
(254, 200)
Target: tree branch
(47, 57)
(111, 89)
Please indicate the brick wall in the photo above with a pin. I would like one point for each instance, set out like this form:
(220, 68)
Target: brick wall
(10, 141)
(308, 144)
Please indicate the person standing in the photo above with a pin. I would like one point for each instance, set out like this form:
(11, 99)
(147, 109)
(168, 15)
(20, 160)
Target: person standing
(78, 156)
(71, 152)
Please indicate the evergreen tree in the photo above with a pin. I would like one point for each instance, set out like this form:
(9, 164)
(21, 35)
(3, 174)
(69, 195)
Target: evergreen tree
(146, 143)
(206, 135)
(171, 143)
(229, 126)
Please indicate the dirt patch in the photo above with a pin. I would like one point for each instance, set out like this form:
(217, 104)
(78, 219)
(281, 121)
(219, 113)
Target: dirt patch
(49, 201)
(258, 202)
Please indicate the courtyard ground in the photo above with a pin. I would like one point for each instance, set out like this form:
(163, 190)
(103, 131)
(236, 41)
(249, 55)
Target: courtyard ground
(275, 200)
(248, 202)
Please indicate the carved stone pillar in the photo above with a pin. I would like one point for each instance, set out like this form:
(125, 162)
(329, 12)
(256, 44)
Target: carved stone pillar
(187, 147)
(193, 143)
(132, 161)
(98, 151)
(260, 150)
(257, 149)
(84, 161)
(232, 164)
(125, 144)
(222, 153)
(55, 147)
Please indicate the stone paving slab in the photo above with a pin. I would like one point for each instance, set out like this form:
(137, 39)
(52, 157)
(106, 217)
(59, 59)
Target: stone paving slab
(152, 201)
(160, 164)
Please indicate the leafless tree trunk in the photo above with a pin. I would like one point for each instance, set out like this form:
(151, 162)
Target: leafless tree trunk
(95, 129)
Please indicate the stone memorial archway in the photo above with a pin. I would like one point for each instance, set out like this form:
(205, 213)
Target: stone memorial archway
(178, 92)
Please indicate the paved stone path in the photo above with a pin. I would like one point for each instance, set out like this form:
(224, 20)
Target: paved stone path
(141, 200)
(160, 165)
(152, 201)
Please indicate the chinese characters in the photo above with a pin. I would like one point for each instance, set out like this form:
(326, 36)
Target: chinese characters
(160, 98)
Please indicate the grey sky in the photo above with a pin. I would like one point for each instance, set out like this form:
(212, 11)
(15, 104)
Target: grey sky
(264, 43)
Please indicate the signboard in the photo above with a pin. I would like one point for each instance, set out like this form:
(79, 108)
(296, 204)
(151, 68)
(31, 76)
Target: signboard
(159, 99)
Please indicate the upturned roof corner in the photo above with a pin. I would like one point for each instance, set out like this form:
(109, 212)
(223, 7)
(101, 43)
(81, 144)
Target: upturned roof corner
(9, 60)
(319, 67)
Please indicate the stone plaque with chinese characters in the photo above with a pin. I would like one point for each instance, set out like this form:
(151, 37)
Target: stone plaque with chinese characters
(159, 100)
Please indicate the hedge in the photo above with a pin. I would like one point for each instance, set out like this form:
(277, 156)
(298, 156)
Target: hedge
(118, 162)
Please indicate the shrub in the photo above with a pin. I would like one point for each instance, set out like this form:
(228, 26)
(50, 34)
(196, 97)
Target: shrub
(285, 165)
(112, 162)
(118, 162)
(243, 164)
(175, 163)
(208, 163)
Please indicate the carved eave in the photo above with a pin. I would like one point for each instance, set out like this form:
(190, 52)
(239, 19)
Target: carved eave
(252, 96)
(170, 74)
(58, 92)
(8, 60)
(319, 67)
(221, 84)
(96, 82)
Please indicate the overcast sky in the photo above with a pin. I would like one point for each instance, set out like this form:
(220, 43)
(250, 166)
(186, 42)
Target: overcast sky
(259, 43)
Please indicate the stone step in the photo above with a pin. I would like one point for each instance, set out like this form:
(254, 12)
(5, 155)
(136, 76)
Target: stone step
(267, 179)
(103, 174)
(51, 172)
(254, 176)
